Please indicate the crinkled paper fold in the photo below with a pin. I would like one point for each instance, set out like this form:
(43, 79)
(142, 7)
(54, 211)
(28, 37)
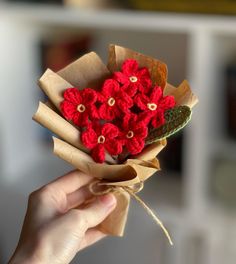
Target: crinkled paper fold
(89, 71)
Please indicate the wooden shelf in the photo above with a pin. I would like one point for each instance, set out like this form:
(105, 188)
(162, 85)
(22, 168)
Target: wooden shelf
(116, 19)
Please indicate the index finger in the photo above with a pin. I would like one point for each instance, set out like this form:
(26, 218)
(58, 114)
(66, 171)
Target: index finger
(71, 181)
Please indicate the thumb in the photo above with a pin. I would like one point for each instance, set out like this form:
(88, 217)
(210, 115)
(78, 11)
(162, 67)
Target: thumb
(98, 210)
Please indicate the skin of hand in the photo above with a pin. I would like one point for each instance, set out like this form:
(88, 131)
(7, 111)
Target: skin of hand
(58, 222)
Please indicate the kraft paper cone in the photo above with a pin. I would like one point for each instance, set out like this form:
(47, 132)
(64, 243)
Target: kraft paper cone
(115, 223)
(92, 72)
(152, 150)
(184, 96)
(169, 89)
(53, 86)
(58, 125)
(89, 71)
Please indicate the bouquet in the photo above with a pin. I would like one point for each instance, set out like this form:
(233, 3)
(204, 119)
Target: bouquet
(113, 121)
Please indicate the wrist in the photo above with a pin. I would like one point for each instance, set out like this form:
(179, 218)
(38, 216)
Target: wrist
(20, 259)
(24, 256)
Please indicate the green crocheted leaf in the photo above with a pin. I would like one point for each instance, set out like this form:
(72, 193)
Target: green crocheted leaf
(176, 118)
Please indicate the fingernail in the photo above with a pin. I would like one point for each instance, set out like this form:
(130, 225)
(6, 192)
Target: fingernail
(108, 200)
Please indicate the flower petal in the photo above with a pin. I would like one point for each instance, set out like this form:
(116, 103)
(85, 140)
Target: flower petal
(96, 126)
(125, 123)
(68, 109)
(143, 73)
(144, 80)
(80, 119)
(121, 77)
(72, 95)
(110, 131)
(145, 117)
(156, 95)
(89, 96)
(110, 88)
(107, 112)
(143, 88)
(167, 102)
(130, 67)
(141, 100)
(141, 131)
(128, 121)
(113, 146)
(158, 119)
(124, 101)
(135, 145)
(98, 153)
(89, 138)
(101, 98)
(130, 88)
(93, 112)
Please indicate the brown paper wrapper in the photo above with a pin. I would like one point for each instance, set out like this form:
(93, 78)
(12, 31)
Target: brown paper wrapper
(89, 71)
(92, 72)
(58, 125)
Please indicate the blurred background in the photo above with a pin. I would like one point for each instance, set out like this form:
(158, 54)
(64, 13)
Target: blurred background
(195, 193)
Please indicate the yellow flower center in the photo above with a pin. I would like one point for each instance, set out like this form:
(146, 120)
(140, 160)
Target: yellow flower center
(81, 108)
(111, 101)
(101, 139)
(133, 79)
(152, 106)
(130, 134)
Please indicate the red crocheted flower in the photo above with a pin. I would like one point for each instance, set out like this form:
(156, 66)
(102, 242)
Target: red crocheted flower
(154, 106)
(78, 106)
(100, 138)
(133, 134)
(133, 78)
(114, 100)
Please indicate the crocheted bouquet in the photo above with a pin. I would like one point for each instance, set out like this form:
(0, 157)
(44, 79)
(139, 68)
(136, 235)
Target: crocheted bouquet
(114, 120)
(117, 117)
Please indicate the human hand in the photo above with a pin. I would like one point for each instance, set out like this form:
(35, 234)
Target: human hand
(58, 223)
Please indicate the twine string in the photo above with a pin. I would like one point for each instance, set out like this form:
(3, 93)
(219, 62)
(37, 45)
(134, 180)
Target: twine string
(150, 212)
(131, 190)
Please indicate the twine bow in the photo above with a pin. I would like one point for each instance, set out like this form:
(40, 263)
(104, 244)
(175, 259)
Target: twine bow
(101, 188)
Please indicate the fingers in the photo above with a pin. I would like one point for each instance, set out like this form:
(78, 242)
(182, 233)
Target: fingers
(70, 182)
(98, 210)
(93, 214)
(74, 229)
(52, 198)
(78, 197)
(91, 236)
